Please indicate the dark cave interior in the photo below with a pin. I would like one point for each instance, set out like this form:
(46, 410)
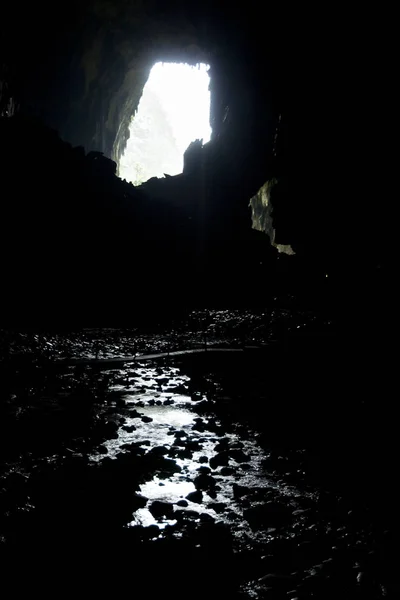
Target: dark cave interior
(302, 343)
(71, 86)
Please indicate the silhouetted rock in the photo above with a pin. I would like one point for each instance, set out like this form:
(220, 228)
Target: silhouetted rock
(219, 507)
(147, 419)
(182, 503)
(161, 509)
(219, 460)
(192, 159)
(205, 470)
(204, 482)
(139, 501)
(129, 428)
(206, 518)
(227, 471)
(239, 456)
(159, 450)
(183, 515)
(195, 497)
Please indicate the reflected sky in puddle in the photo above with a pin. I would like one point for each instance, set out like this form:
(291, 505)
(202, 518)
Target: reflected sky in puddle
(166, 490)
(168, 415)
(156, 432)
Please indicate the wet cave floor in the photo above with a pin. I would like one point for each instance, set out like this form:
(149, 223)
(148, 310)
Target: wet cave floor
(169, 478)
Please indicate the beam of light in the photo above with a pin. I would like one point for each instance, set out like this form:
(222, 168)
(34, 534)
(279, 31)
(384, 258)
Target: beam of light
(174, 111)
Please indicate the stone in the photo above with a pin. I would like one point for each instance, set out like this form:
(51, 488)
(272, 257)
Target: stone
(182, 503)
(196, 497)
(169, 467)
(219, 460)
(219, 507)
(204, 482)
(184, 453)
(237, 445)
(227, 471)
(222, 445)
(134, 414)
(205, 470)
(147, 419)
(193, 445)
(161, 509)
(179, 389)
(181, 515)
(205, 518)
(180, 433)
(110, 430)
(133, 448)
(129, 428)
(239, 491)
(203, 459)
(179, 442)
(151, 531)
(139, 501)
(239, 456)
(199, 427)
(159, 450)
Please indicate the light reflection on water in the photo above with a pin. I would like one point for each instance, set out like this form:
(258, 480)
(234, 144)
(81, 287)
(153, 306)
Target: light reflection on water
(179, 417)
(163, 418)
(169, 491)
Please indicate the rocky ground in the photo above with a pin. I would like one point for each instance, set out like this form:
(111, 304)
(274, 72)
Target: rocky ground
(190, 329)
(184, 478)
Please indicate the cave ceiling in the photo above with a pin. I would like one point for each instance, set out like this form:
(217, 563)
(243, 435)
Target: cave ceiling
(82, 66)
(83, 69)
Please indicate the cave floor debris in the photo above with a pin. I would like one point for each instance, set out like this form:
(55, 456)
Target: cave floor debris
(156, 467)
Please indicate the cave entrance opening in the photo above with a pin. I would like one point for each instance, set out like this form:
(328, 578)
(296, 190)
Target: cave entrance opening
(173, 112)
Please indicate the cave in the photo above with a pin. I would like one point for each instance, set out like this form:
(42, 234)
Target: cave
(196, 365)
(77, 125)
(173, 112)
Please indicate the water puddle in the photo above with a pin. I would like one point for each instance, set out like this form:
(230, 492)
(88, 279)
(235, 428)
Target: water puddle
(216, 470)
(144, 453)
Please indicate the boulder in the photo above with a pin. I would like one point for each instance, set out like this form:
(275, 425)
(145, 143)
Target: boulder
(161, 509)
(196, 496)
(219, 460)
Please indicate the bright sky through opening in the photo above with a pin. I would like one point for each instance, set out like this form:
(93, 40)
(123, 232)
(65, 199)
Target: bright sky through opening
(173, 112)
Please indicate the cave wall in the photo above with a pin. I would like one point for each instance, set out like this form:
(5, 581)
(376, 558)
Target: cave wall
(84, 73)
(82, 68)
